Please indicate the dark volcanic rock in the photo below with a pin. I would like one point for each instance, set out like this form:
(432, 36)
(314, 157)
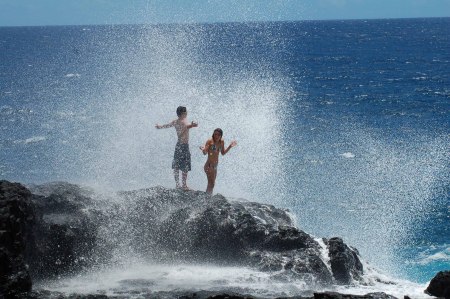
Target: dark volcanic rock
(16, 219)
(201, 295)
(192, 226)
(345, 263)
(440, 285)
(332, 295)
(66, 230)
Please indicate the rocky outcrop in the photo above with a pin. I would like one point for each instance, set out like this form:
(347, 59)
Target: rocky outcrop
(204, 295)
(333, 295)
(65, 228)
(191, 226)
(440, 285)
(16, 220)
(344, 261)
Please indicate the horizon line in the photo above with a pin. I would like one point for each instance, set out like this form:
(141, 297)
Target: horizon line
(222, 22)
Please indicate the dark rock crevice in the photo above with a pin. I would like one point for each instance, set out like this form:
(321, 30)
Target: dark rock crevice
(17, 217)
(344, 260)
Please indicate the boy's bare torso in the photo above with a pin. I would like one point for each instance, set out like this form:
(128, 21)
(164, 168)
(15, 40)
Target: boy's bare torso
(181, 126)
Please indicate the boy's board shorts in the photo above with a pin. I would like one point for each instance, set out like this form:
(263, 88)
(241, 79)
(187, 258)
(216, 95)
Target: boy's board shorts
(182, 157)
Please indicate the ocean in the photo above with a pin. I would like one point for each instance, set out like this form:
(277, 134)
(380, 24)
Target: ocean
(344, 123)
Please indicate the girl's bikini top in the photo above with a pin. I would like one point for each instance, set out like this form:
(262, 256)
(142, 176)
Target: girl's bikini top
(215, 148)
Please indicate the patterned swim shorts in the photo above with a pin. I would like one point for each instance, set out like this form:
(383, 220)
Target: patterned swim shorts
(182, 157)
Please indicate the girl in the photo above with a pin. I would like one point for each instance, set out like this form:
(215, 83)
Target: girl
(213, 147)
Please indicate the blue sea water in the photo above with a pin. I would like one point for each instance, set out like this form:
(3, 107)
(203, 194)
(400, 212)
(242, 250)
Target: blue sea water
(346, 123)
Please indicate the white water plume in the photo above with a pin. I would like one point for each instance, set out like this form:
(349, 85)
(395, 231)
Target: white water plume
(377, 200)
(138, 279)
(133, 154)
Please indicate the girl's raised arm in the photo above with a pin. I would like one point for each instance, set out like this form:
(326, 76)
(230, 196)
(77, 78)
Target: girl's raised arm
(205, 148)
(233, 143)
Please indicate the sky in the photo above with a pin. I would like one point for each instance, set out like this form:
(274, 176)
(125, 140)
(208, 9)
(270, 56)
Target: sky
(90, 12)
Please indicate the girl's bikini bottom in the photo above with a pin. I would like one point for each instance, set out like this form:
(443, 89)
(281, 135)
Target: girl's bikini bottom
(212, 165)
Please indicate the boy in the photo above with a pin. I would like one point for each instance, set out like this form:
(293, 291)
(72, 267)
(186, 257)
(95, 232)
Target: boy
(182, 155)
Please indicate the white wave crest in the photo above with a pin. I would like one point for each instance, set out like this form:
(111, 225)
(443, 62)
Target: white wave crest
(136, 278)
(441, 256)
(34, 139)
(76, 75)
(348, 155)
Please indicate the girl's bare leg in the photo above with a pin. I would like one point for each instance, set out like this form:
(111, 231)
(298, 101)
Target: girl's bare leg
(211, 176)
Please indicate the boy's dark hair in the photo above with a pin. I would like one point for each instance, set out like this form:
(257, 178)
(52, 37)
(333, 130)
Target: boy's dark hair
(181, 110)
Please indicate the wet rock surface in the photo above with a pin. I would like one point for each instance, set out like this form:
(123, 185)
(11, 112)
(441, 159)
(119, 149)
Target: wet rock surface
(61, 229)
(440, 285)
(203, 295)
(194, 227)
(344, 261)
(16, 220)
(66, 229)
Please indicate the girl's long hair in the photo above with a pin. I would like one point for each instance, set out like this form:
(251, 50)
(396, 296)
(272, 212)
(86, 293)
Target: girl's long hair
(217, 130)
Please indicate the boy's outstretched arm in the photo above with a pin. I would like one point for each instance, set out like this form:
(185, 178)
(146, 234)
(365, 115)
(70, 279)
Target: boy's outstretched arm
(192, 125)
(171, 124)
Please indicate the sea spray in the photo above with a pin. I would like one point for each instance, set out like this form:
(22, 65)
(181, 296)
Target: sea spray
(386, 190)
(131, 153)
(352, 152)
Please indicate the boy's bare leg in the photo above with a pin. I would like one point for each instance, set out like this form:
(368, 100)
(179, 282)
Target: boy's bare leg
(184, 179)
(176, 175)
